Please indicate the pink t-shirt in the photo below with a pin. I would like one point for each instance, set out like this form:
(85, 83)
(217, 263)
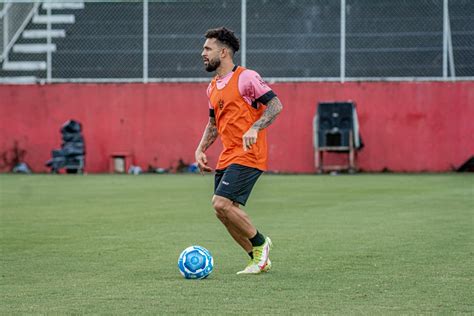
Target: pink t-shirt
(251, 85)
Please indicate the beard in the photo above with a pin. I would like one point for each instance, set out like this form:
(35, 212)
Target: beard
(213, 65)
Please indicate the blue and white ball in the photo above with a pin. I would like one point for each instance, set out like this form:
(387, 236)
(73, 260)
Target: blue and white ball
(195, 262)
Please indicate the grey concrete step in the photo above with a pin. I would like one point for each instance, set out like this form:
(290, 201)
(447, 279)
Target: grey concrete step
(34, 48)
(24, 65)
(54, 19)
(63, 5)
(34, 34)
(18, 80)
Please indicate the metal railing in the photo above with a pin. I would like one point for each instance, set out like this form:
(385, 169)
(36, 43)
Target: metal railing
(298, 40)
(13, 19)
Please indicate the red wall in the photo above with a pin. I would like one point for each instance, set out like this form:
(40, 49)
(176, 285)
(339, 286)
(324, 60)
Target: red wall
(405, 126)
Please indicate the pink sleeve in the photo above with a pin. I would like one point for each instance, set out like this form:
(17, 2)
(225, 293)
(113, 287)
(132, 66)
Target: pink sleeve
(252, 86)
(208, 93)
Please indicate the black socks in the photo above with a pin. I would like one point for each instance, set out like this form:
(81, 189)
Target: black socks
(257, 240)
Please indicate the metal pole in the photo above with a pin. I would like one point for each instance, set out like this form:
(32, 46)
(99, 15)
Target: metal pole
(450, 49)
(343, 41)
(145, 41)
(243, 40)
(445, 39)
(49, 56)
(5, 36)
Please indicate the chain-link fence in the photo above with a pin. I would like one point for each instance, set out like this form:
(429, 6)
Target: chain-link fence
(394, 39)
(284, 40)
(13, 17)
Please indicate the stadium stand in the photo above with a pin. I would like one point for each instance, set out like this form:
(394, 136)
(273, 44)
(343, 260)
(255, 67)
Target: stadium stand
(287, 39)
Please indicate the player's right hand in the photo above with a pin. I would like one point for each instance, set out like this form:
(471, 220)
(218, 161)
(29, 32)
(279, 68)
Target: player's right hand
(201, 160)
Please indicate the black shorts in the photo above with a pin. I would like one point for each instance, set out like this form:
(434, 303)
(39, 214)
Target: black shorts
(236, 182)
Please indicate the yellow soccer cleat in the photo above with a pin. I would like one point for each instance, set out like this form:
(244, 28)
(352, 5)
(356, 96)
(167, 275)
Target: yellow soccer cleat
(260, 262)
(251, 268)
(268, 266)
(261, 253)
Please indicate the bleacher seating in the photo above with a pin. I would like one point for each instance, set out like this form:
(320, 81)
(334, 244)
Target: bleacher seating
(285, 39)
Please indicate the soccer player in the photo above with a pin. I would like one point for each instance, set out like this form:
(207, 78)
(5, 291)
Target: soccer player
(241, 106)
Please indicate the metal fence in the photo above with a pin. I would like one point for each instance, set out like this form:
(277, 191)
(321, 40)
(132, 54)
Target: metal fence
(284, 40)
(14, 18)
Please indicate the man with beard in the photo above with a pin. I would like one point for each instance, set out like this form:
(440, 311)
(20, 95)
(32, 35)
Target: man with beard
(241, 106)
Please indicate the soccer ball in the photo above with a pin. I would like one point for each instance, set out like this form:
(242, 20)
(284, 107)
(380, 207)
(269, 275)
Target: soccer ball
(195, 262)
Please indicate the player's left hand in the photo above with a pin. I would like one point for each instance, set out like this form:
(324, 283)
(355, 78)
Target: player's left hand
(249, 138)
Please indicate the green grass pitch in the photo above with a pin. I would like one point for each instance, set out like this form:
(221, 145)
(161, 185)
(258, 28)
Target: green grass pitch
(360, 244)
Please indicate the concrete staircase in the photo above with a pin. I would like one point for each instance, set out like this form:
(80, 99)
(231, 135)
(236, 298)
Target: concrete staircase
(28, 56)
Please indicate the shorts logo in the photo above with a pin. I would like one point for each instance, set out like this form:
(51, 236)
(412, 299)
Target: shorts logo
(224, 182)
(220, 103)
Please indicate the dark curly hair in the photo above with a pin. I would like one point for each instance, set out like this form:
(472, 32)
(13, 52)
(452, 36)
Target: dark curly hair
(225, 36)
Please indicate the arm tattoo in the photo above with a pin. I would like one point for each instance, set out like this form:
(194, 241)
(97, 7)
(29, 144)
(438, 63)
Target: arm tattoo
(210, 135)
(274, 108)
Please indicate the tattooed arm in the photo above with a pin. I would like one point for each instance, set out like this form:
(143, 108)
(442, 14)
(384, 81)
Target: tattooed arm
(274, 108)
(208, 138)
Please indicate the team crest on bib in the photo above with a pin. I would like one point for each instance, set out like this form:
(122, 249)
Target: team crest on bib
(220, 103)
